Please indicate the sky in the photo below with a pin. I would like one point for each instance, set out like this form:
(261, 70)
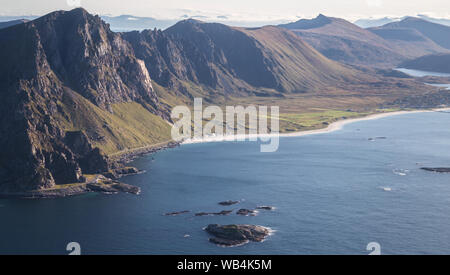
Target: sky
(237, 10)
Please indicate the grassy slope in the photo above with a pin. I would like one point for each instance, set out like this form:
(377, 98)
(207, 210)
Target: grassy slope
(299, 65)
(129, 126)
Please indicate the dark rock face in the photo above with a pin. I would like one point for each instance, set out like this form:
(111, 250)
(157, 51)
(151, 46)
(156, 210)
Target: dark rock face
(229, 203)
(218, 44)
(437, 170)
(168, 61)
(90, 159)
(85, 54)
(232, 235)
(115, 187)
(41, 61)
(120, 172)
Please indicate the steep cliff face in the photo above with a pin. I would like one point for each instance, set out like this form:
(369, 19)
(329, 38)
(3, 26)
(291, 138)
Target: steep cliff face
(30, 140)
(226, 50)
(166, 58)
(188, 53)
(90, 59)
(64, 54)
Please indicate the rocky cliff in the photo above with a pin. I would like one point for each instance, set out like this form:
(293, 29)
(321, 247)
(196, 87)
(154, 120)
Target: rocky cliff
(50, 66)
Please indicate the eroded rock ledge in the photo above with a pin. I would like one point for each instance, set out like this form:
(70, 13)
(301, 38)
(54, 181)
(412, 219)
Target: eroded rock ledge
(234, 235)
(77, 189)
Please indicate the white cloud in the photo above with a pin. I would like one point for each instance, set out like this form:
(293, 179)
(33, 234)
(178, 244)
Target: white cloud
(374, 3)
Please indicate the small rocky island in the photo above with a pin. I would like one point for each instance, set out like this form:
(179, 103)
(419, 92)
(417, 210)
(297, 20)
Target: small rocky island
(437, 170)
(228, 203)
(267, 208)
(246, 212)
(234, 235)
(177, 213)
(222, 213)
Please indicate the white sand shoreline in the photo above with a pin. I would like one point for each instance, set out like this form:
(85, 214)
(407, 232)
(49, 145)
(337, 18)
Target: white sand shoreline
(335, 126)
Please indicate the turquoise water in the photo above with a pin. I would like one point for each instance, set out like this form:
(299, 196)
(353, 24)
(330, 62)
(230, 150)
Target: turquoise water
(331, 193)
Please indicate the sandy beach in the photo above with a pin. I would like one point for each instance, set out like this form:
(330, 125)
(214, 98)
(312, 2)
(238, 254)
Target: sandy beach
(338, 125)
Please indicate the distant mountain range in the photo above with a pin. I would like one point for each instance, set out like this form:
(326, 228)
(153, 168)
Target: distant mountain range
(12, 23)
(122, 23)
(413, 29)
(125, 23)
(377, 22)
(385, 46)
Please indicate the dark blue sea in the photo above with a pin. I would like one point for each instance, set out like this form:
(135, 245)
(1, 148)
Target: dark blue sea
(334, 193)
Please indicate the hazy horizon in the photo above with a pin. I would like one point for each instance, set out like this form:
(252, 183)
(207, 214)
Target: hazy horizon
(234, 10)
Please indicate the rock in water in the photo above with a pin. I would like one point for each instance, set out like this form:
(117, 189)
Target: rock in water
(228, 203)
(222, 213)
(247, 212)
(177, 213)
(232, 235)
(437, 170)
(268, 208)
(115, 187)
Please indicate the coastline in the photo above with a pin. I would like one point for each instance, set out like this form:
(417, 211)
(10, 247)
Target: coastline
(335, 126)
(129, 155)
(93, 186)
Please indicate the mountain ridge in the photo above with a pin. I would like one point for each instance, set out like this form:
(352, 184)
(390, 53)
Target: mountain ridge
(232, 59)
(344, 41)
(435, 32)
(12, 23)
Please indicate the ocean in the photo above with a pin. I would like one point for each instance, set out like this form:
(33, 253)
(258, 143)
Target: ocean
(333, 193)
